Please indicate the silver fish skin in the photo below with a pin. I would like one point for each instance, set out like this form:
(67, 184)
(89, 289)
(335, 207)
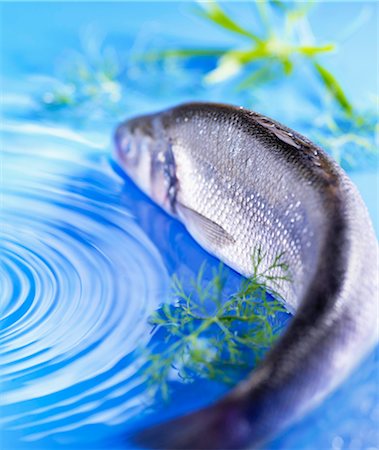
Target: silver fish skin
(239, 180)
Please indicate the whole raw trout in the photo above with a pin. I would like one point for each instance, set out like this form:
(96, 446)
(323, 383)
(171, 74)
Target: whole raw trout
(239, 180)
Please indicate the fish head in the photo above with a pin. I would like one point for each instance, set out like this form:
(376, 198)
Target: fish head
(145, 154)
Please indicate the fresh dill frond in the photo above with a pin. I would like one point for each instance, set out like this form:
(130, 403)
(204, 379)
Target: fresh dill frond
(352, 141)
(88, 81)
(282, 40)
(205, 335)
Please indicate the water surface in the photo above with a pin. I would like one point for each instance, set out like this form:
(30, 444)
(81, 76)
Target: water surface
(86, 258)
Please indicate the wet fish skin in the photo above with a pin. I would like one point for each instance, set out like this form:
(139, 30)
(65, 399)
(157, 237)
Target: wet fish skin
(239, 180)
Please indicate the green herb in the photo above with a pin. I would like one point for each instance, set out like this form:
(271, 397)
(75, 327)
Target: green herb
(275, 46)
(344, 136)
(89, 82)
(205, 335)
(334, 88)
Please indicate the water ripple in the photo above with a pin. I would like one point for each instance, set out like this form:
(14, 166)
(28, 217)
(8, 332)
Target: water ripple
(78, 278)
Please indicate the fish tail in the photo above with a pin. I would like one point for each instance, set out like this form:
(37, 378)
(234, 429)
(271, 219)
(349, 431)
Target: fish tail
(332, 330)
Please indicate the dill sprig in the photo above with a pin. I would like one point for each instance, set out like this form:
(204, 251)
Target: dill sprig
(204, 335)
(88, 81)
(343, 136)
(271, 52)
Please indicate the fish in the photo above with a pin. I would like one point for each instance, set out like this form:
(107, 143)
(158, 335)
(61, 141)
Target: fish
(239, 180)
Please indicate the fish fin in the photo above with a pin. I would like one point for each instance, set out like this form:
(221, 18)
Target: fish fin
(205, 229)
(279, 131)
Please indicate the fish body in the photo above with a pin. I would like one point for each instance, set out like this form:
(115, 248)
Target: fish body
(239, 180)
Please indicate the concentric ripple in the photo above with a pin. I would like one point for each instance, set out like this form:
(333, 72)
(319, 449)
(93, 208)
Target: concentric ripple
(78, 279)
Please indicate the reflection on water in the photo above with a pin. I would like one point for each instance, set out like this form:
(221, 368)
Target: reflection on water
(86, 258)
(79, 278)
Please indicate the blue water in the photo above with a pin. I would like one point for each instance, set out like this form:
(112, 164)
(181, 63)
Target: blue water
(86, 258)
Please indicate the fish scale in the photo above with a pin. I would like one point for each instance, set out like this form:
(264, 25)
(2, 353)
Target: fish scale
(244, 181)
(241, 217)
